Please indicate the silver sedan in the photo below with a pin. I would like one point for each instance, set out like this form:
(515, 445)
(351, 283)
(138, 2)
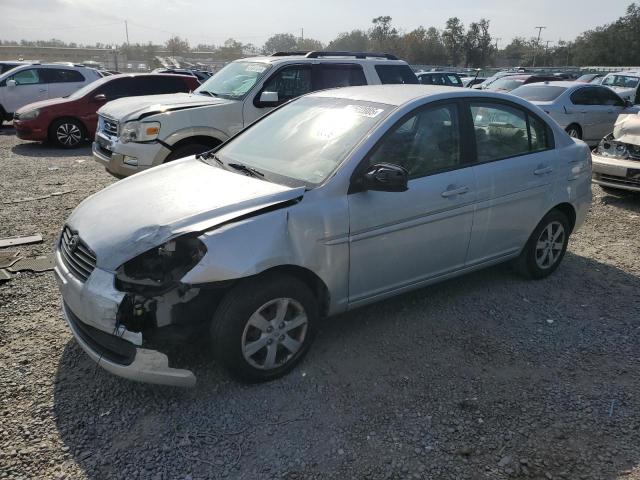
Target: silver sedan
(585, 111)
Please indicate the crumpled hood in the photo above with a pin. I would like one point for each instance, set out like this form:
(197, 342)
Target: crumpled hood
(627, 129)
(154, 206)
(131, 108)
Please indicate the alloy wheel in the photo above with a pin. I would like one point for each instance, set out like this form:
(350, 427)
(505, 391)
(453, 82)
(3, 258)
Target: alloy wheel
(274, 333)
(550, 245)
(68, 134)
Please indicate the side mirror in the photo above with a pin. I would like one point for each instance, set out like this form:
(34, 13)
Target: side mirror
(11, 83)
(386, 177)
(269, 99)
(101, 97)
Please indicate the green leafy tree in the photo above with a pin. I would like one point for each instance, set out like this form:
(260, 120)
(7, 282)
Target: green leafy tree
(453, 38)
(280, 42)
(177, 47)
(383, 35)
(353, 41)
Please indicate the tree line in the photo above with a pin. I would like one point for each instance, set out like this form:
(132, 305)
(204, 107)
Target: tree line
(615, 44)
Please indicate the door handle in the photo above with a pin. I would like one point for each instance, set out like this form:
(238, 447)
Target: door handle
(543, 170)
(455, 191)
(42, 90)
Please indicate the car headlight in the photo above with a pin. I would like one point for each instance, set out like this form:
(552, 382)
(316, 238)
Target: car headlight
(139, 131)
(162, 266)
(30, 115)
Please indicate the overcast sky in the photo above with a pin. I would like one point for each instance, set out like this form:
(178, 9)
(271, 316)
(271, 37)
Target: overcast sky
(253, 21)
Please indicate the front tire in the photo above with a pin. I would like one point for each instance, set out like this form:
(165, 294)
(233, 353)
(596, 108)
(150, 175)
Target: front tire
(67, 133)
(546, 246)
(264, 326)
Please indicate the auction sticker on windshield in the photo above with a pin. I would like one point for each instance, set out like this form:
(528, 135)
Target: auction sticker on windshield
(364, 111)
(255, 68)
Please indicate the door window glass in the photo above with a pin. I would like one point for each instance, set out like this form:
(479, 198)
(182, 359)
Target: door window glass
(159, 85)
(607, 97)
(59, 75)
(391, 74)
(290, 83)
(426, 142)
(501, 131)
(585, 96)
(118, 88)
(342, 76)
(27, 77)
(454, 80)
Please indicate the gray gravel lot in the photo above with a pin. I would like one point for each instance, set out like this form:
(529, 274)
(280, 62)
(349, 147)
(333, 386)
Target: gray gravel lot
(488, 376)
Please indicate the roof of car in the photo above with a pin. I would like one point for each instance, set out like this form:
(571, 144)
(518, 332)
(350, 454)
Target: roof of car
(281, 57)
(389, 94)
(563, 83)
(437, 72)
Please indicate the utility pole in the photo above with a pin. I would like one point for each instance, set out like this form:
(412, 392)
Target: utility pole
(535, 50)
(497, 40)
(546, 52)
(126, 30)
(302, 34)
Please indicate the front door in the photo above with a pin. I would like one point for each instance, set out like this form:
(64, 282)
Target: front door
(30, 87)
(514, 174)
(399, 239)
(289, 82)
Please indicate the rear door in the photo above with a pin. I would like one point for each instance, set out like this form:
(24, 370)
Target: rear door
(30, 87)
(514, 171)
(612, 106)
(592, 115)
(63, 81)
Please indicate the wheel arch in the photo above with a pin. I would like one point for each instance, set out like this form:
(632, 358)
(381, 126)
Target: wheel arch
(569, 210)
(317, 286)
(197, 139)
(575, 124)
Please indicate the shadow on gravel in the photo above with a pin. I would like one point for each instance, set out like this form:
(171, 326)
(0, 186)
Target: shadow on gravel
(37, 150)
(626, 200)
(485, 376)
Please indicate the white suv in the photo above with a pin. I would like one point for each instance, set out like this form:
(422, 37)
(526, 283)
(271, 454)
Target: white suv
(624, 84)
(140, 132)
(34, 82)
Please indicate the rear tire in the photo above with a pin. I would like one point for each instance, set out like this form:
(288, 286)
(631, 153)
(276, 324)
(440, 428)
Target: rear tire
(574, 131)
(264, 326)
(187, 150)
(546, 246)
(67, 133)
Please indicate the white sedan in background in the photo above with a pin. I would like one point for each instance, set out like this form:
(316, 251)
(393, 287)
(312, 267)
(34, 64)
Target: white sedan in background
(585, 111)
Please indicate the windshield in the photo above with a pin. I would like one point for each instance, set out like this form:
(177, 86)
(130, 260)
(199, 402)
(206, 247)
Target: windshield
(506, 84)
(620, 81)
(234, 81)
(306, 140)
(539, 93)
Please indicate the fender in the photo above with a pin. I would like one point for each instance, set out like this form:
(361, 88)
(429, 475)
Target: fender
(179, 135)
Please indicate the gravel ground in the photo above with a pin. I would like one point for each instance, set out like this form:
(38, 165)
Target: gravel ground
(485, 376)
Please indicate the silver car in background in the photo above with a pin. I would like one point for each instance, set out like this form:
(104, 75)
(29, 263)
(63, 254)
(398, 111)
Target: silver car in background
(585, 111)
(336, 200)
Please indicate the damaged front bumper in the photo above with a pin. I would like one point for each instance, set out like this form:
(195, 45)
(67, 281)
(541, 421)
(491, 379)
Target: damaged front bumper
(91, 311)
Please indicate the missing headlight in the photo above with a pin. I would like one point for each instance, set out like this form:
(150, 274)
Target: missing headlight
(161, 267)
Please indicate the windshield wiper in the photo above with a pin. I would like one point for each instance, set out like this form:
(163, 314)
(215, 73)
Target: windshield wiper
(210, 154)
(243, 168)
(211, 94)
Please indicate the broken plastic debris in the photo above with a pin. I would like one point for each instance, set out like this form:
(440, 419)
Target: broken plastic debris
(10, 241)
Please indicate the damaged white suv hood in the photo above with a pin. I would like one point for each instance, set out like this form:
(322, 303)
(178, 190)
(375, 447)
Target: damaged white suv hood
(132, 108)
(150, 208)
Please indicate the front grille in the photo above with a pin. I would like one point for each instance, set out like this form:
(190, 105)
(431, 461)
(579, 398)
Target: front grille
(110, 347)
(632, 182)
(110, 127)
(77, 256)
(104, 151)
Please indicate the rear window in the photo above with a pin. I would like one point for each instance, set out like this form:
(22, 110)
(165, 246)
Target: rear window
(507, 84)
(391, 74)
(539, 93)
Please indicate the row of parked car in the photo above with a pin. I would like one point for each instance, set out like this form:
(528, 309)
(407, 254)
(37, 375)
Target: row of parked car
(305, 200)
